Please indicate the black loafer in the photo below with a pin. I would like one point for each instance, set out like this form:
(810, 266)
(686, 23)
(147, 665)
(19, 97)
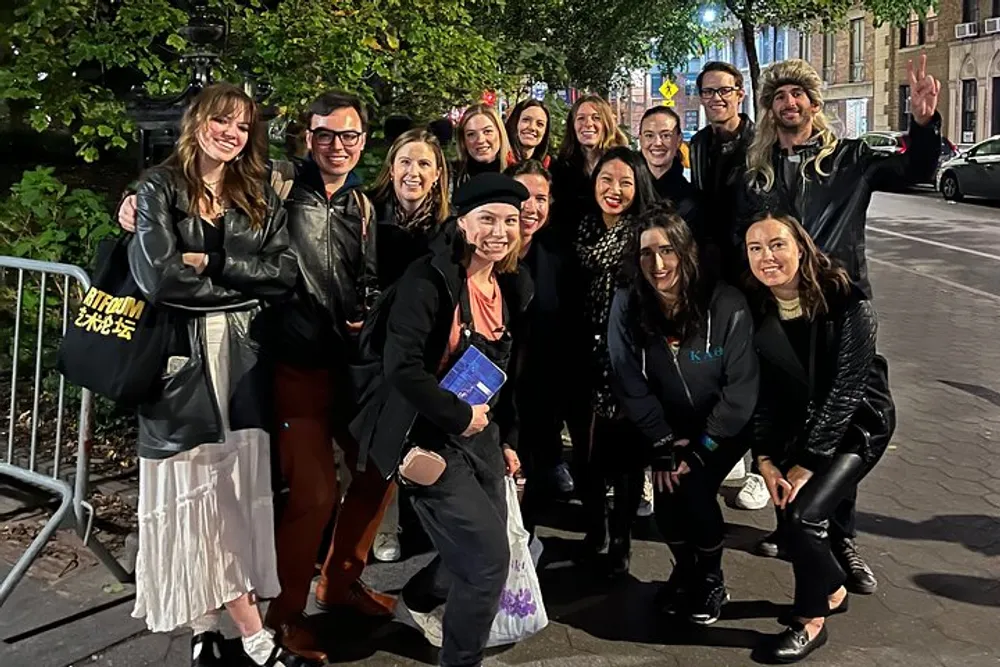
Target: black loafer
(792, 645)
(206, 650)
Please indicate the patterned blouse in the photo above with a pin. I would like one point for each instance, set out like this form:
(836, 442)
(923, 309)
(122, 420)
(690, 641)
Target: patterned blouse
(600, 251)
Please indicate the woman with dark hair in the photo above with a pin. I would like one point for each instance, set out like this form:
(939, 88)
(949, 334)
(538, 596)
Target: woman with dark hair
(621, 188)
(528, 132)
(411, 200)
(540, 350)
(211, 248)
(825, 414)
(468, 296)
(685, 373)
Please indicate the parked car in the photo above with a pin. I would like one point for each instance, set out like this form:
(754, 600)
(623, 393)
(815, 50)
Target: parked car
(891, 143)
(974, 173)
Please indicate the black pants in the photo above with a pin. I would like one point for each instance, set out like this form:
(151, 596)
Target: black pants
(540, 450)
(614, 456)
(807, 524)
(691, 514)
(465, 516)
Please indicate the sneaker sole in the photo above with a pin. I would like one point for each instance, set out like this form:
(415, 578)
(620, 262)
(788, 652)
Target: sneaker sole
(701, 619)
(750, 507)
(860, 589)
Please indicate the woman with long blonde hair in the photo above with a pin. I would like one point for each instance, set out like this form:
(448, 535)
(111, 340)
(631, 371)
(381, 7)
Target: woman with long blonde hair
(211, 248)
(482, 143)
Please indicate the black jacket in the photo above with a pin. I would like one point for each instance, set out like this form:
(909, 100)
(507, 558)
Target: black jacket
(337, 266)
(673, 187)
(398, 247)
(834, 208)
(420, 320)
(841, 404)
(572, 200)
(709, 388)
(257, 266)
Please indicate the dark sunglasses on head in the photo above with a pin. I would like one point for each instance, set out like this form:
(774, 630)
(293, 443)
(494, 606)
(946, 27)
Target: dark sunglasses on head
(324, 137)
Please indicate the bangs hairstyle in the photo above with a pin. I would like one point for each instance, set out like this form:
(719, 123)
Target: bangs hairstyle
(648, 318)
(818, 275)
(242, 178)
(384, 187)
(613, 136)
(463, 152)
(330, 101)
(645, 195)
(517, 150)
(760, 153)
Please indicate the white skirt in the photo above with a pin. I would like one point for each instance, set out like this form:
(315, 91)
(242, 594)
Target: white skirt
(206, 519)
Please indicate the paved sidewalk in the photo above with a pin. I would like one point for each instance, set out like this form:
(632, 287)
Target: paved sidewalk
(929, 525)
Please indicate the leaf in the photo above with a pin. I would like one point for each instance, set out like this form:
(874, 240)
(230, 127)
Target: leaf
(105, 130)
(176, 42)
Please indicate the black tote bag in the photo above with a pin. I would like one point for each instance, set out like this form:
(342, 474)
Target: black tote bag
(116, 344)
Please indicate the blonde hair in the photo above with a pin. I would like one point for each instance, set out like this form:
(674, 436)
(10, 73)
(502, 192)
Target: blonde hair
(760, 165)
(510, 261)
(243, 177)
(613, 135)
(439, 192)
(463, 152)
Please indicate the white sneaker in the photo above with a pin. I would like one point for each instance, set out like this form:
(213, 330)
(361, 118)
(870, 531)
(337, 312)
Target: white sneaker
(646, 506)
(753, 495)
(429, 624)
(386, 548)
(738, 472)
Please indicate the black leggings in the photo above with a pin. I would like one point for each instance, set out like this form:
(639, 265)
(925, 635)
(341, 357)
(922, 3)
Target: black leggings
(806, 523)
(691, 514)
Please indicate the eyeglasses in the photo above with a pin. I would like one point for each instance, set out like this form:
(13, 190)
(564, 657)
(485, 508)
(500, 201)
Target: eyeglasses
(724, 93)
(349, 138)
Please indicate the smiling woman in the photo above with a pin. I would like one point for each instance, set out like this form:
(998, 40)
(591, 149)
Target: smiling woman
(482, 143)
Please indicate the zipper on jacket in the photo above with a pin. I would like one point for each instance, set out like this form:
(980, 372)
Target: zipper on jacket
(677, 365)
(221, 437)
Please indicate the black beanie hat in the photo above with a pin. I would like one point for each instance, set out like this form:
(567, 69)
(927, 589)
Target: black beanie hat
(489, 188)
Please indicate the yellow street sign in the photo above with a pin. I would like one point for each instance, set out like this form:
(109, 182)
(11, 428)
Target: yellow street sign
(669, 103)
(668, 89)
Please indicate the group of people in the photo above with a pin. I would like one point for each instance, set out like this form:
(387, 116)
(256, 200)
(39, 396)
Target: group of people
(668, 325)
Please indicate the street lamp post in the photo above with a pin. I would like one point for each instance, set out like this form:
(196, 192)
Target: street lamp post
(158, 119)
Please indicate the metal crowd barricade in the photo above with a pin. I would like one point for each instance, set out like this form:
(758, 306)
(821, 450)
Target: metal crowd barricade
(30, 468)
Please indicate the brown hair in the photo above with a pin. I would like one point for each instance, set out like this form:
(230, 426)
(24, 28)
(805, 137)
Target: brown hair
(818, 275)
(541, 151)
(463, 152)
(720, 66)
(330, 101)
(613, 136)
(242, 178)
(384, 188)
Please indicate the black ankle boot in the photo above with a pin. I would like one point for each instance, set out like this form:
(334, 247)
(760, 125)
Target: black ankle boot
(619, 557)
(860, 578)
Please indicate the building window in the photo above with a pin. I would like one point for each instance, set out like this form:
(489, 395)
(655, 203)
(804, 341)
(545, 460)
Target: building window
(780, 42)
(970, 11)
(968, 111)
(805, 45)
(741, 54)
(655, 81)
(767, 45)
(904, 109)
(915, 32)
(858, 50)
(829, 61)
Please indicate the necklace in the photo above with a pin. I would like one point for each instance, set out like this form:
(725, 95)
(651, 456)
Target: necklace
(789, 309)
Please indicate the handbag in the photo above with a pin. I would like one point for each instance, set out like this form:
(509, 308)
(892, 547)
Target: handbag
(116, 344)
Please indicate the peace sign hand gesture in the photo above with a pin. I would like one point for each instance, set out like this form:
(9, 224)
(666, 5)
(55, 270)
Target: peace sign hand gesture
(924, 91)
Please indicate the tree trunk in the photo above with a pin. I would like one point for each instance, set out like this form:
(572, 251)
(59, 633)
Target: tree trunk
(750, 44)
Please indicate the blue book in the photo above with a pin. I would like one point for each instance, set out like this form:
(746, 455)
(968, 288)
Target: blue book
(474, 378)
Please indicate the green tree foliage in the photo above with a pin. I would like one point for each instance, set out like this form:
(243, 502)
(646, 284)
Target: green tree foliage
(820, 15)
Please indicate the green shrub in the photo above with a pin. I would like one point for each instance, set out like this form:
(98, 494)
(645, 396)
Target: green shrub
(44, 219)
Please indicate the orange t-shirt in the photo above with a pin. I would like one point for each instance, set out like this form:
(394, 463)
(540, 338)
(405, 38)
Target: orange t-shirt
(487, 317)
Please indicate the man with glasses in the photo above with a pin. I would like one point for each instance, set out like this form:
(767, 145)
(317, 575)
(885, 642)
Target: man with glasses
(332, 229)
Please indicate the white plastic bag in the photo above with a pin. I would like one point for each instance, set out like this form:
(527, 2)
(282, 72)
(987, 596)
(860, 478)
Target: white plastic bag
(522, 612)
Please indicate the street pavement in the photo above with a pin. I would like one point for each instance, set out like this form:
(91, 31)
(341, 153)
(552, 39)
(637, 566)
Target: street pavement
(929, 514)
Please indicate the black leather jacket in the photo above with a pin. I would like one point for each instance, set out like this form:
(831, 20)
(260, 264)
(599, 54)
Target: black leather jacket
(338, 266)
(257, 267)
(834, 208)
(837, 401)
